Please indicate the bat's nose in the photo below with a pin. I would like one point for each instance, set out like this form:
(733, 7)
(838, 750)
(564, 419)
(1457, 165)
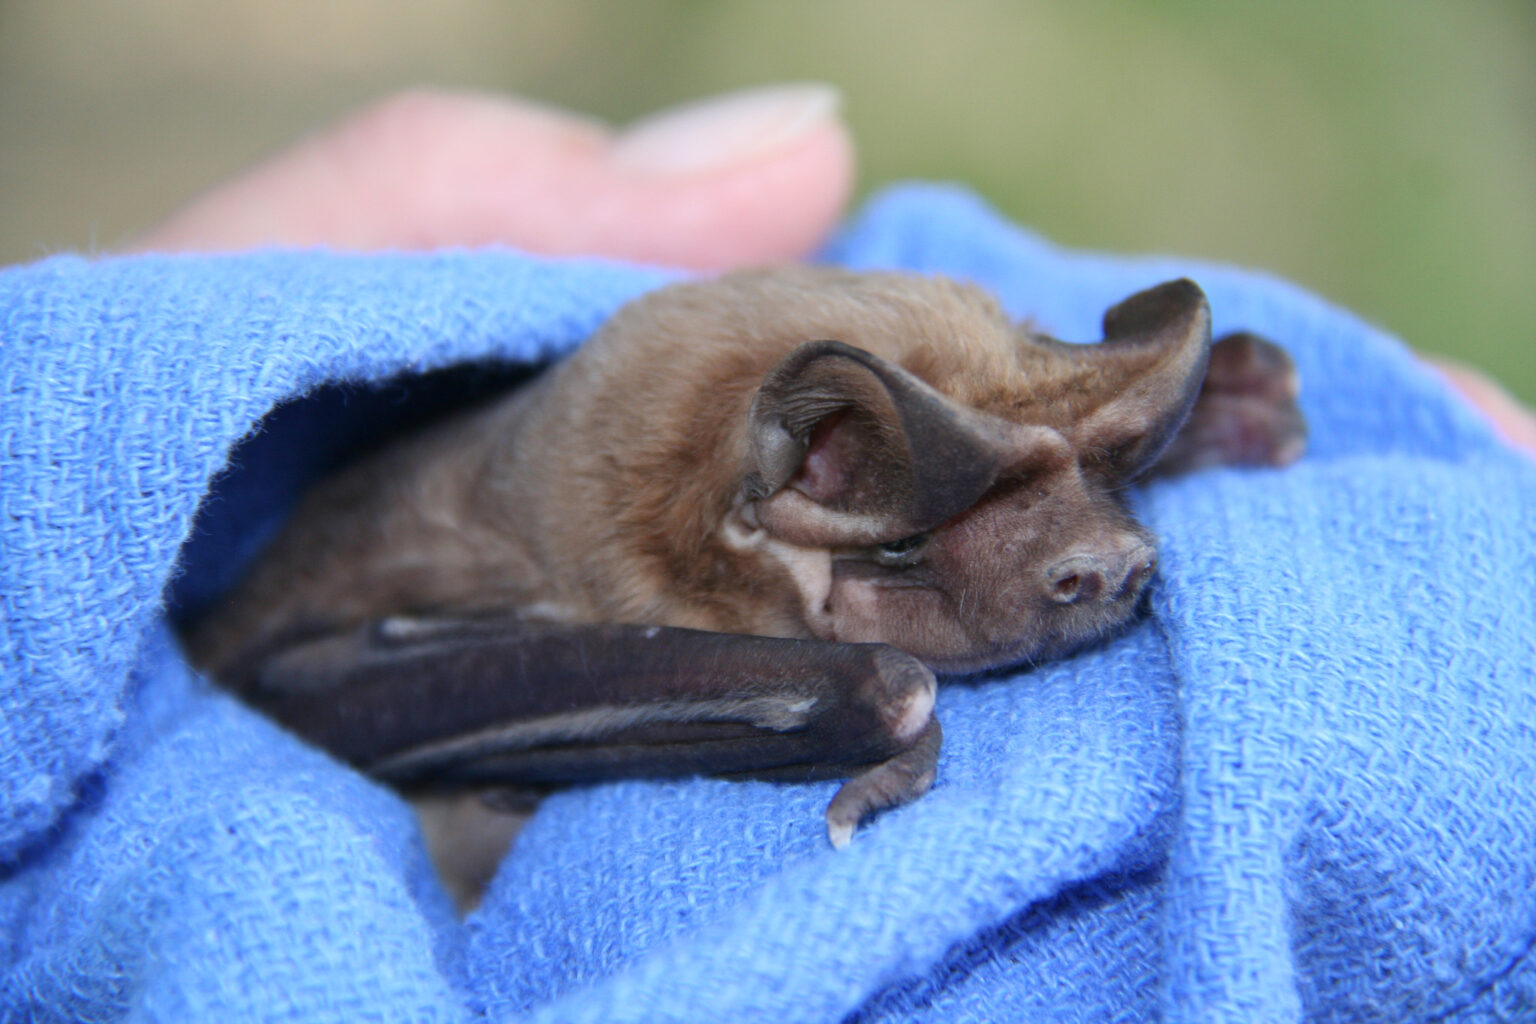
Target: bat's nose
(1087, 576)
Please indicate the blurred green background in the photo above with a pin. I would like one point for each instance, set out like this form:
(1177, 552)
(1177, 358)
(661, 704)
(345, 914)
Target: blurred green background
(1380, 152)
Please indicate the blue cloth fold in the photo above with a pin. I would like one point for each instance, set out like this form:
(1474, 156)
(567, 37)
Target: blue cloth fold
(1300, 788)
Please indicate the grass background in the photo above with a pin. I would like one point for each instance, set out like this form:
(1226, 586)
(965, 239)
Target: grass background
(1381, 152)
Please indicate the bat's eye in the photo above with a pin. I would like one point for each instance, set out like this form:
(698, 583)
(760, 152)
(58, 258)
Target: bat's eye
(901, 553)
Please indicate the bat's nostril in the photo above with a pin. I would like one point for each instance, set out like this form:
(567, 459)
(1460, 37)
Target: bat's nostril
(1099, 575)
(1074, 579)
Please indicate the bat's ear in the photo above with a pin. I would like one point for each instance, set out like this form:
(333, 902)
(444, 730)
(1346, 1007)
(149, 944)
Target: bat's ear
(849, 449)
(1147, 374)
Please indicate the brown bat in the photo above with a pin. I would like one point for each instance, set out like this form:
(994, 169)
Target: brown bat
(737, 532)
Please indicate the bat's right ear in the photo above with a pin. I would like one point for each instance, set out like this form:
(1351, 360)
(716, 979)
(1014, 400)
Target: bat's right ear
(848, 449)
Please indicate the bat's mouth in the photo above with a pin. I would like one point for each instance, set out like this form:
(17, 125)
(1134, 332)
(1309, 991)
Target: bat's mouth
(1072, 603)
(1060, 632)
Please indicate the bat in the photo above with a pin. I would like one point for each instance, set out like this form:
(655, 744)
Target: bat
(738, 532)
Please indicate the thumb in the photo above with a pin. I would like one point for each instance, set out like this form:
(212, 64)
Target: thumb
(751, 177)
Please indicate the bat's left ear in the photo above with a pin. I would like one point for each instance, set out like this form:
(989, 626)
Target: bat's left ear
(848, 449)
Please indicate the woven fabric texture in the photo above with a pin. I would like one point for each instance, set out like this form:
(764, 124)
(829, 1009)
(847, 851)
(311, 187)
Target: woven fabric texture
(1301, 788)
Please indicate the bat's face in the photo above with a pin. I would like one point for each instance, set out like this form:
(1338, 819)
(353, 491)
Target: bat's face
(971, 536)
(1046, 561)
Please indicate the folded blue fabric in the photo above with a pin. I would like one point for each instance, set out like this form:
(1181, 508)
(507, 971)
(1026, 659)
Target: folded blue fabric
(1302, 788)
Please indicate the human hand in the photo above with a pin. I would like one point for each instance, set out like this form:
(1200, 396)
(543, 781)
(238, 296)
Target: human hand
(1515, 422)
(752, 177)
(747, 178)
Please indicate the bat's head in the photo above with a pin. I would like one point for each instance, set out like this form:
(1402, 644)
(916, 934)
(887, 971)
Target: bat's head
(971, 534)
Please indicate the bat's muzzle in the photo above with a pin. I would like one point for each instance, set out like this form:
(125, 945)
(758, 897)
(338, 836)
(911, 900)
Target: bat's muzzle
(1085, 577)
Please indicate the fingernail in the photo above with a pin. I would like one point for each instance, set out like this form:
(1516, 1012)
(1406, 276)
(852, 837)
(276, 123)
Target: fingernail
(717, 132)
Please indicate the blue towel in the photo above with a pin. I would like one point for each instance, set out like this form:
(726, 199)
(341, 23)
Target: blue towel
(1302, 787)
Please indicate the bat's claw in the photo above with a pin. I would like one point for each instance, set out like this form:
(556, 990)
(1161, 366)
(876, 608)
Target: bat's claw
(899, 780)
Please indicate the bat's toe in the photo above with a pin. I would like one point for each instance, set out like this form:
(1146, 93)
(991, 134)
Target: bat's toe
(899, 780)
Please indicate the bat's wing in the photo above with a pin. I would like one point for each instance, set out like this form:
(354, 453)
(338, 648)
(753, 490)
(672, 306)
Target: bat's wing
(494, 699)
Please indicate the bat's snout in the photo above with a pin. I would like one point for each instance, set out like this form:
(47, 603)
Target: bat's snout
(1085, 577)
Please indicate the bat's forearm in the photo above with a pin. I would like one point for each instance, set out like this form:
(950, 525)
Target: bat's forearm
(496, 698)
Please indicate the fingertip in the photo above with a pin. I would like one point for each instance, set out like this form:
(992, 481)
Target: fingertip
(749, 178)
(724, 131)
(775, 206)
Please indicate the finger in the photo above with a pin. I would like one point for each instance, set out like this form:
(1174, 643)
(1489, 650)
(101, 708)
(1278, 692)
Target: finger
(751, 177)
(1514, 422)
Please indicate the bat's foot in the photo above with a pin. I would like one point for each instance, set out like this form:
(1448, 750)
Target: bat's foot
(900, 780)
(467, 835)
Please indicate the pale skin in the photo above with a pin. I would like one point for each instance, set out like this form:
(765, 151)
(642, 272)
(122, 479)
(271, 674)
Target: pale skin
(746, 179)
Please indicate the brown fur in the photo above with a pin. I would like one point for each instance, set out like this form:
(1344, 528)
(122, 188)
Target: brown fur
(799, 453)
(601, 493)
